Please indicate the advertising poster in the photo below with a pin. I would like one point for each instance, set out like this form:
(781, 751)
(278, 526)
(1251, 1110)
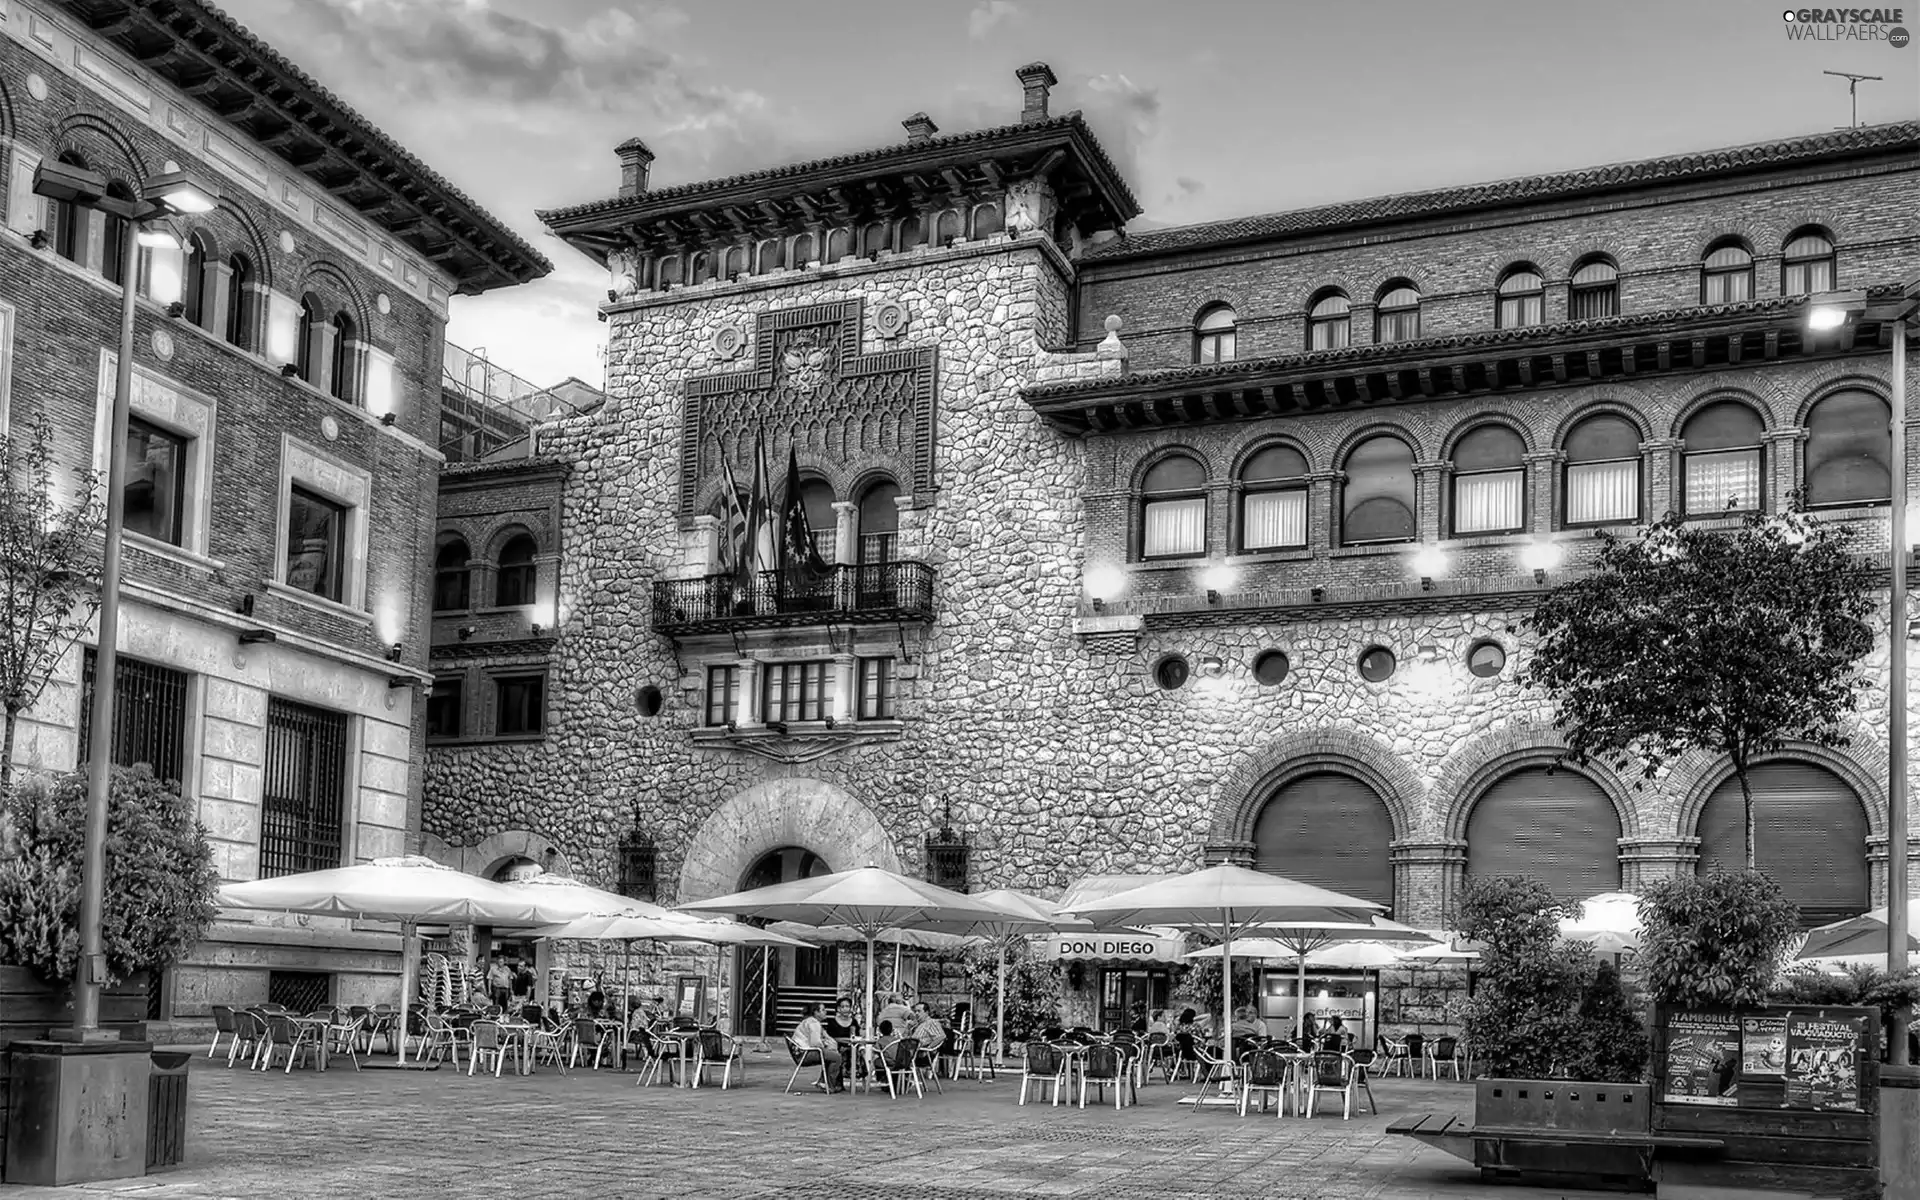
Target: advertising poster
(1763, 1046)
(1703, 1058)
(1823, 1069)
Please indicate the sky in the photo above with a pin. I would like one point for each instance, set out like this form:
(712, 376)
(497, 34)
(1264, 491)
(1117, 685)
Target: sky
(1212, 108)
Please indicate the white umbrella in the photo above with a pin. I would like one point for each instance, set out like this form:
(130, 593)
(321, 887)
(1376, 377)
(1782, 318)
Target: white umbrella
(1230, 900)
(557, 893)
(1609, 921)
(408, 890)
(868, 899)
(1309, 939)
(668, 926)
(1450, 948)
(1347, 956)
(1023, 914)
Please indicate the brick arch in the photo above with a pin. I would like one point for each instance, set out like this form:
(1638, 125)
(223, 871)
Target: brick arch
(1861, 767)
(1713, 394)
(1512, 259)
(1481, 421)
(1338, 458)
(237, 232)
(103, 144)
(449, 534)
(1794, 220)
(1594, 248)
(1632, 407)
(1483, 761)
(1330, 283)
(499, 535)
(1258, 440)
(1719, 228)
(864, 473)
(485, 856)
(809, 813)
(1214, 297)
(1239, 797)
(1418, 274)
(1840, 380)
(1146, 462)
(336, 290)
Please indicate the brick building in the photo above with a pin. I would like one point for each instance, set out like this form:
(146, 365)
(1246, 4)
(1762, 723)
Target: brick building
(1210, 543)
(282, 451)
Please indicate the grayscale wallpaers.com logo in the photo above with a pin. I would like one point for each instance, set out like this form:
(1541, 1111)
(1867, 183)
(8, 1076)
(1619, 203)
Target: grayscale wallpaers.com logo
(1848, 25)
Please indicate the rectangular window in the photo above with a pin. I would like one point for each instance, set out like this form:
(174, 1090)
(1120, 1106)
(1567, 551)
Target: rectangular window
(1603, 492)
(799, 691)
(520, 705)
(1273, 520)
(1517, 312)
(1174, 528)
(1489, 501)
(1805, 278)
(876, 689)
(1400, 326)
(303, 790)
(1334, 334)
(1592, 303)
(878, 547)
(444, 708)
(1728, 287)
(154, 498)
(149, 715)
(1720, 481)
(723, 694)
(316, 539)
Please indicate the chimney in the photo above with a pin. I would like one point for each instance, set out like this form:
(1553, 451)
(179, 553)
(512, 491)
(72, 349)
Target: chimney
(634, 160)
(920, 127)
(1036, 78)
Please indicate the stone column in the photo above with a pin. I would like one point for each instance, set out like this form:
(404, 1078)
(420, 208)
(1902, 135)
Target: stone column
(1360, 324)
(747, 672)
(1323, 495)
(845, 703)
(1543, 489)
(1647, 860)
(1427, 874)
(1429, 480)
(1240, 854)
(1660, 482)
(909, 540)
(1555, 302)
(321, 335)
(215, 304)
(1781, 471)
(1877, 865)
(702, 546)
(845, 532)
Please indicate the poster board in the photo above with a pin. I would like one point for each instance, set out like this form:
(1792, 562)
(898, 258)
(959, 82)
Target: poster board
(1823, 1058)
(1703, 1058)
(1773, 1057)
(690, 997)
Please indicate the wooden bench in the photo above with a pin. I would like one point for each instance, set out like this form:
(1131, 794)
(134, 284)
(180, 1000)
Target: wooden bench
(1615, 1157)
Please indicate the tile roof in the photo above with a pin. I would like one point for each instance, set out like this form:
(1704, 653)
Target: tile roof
(1524, 190)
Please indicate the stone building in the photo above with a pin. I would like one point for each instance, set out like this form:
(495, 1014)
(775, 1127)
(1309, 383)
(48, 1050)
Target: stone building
(1210, 543)
(285, 413)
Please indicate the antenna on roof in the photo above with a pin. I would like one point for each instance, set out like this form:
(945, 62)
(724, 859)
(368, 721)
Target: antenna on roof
(1853, 93)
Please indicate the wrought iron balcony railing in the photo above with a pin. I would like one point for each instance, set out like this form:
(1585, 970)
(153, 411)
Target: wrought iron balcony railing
(873, 593)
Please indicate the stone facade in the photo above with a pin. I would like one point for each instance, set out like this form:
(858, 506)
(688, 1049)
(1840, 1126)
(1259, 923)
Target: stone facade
(1031, 703)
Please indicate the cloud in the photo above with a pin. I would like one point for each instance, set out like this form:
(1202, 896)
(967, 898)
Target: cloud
(1126, 116)
(1189, 186)
(989, 15)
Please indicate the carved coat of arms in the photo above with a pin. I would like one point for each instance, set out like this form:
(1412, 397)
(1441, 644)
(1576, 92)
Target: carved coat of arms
(805, 363)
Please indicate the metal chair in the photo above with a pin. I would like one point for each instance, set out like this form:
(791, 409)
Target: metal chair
(222, 1023)
(802, 1059)
(1106, 1065)
(1362, 1069)
(901, 1062)
(491, 1041)
(974, 1056)
(1445, 1051)
(1332, 1073)
(1044, 1065)
(1416, 1053)
(249, 1033)
(719, 1052)
(298, 1040)
(1268, 1073)
(653, 1057)
(343, 1034)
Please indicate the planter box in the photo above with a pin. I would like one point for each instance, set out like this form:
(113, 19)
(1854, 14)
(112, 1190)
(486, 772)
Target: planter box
(29, 1007)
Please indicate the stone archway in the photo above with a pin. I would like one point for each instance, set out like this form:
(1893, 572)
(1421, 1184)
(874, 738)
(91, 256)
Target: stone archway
(495, 850)
(806, 813)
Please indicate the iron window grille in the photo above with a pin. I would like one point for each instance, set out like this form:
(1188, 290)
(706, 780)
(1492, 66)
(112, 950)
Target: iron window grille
(303, 793)
(639, 863)
(300, 991)
(149, 715)
(947, 855)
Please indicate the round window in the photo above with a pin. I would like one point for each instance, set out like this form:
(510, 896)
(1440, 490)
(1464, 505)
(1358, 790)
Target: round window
(651, 701)
(1486, 659)
(1271, 667)
(1376, 665)
(1171, 672)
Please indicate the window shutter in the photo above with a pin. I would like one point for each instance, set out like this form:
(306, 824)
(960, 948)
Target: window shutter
(1328, 830)
(1559, 828)
(1810, 833)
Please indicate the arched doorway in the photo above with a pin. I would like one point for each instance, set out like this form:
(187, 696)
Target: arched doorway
(788, 979)
(517, 869)
(1555, 826)
(1810, 834)
(1330, 830)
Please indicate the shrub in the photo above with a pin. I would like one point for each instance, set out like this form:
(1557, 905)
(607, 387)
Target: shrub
(160, 879)
(1033, 988)
(1196, 983)
(1715, 941)
(1612, 1045)
(1523, 1021)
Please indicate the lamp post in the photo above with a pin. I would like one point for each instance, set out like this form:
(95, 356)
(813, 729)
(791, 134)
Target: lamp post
(1830, 311)
(176, 192)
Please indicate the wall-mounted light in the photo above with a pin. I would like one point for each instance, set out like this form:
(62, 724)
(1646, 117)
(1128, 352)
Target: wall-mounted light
(1426, 583)
(176, 309)
(779, 727)
(1429, 561)
(535, 628)
(1540, 557)
(246, 605)
(250, 637)
(399, 681)
(393, 652)
(39, 240)
(388, 418)
(289, 370)
(1831, 310)
(1318, 594)
(830, 722)
(612, 295)
(1105, 584)
(1099, 605)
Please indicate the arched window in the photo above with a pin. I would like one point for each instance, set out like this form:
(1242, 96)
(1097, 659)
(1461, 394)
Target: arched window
(1397, 313)
(1722, 459)
(452, 576)
(1555, 826)
(240, 302)
(1594, 290)
(1806, 263)
(1330, 322)
(839, 244)
(987, 221)
(1523, 298)
(802, 250)
(1809, 833)
(950, 226)
(1603, 471)
(514, 584)
(879, 522)
(816, 496)
(670, 268)
(1489, 481)
(913, 231)
(1377, 502)
(113, 235)
(1849, 450)
(1213, 335)
(341, 381)
(1173, 509)
(736, 261)
(1273, 500)
(193, 292)
(772, 255)
(1726, 276)
(1328, 830)
(69, 221)
(876, 238)
(306, 361)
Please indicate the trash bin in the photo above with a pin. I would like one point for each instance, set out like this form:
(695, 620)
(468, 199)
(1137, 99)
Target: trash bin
(167, 1109)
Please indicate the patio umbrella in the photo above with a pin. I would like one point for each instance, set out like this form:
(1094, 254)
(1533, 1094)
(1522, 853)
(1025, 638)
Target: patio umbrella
(557, 893)
(1309, 939)
(868, 899)
(1347, 956)
(668, 926)
(1609, 921)
(409, 890)
(1448, 948)
(1856, 937)
(1024, 915)
(1229, 900)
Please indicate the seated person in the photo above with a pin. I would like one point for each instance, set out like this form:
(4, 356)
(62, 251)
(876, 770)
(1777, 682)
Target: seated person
(811, 1035)
(926, 1029)
(1159, 1022)
(1336, 1037)
(842, 1025)
(596, 1005)
(895, 1010)
(1252, 1024)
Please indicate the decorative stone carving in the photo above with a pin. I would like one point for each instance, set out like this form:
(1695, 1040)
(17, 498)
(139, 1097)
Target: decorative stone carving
(794, 747)
(728, 341)
(890, 319)
(623, 268)
(1030, 205)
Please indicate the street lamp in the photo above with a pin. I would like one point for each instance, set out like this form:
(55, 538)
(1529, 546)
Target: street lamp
(1828, 311)
(169, 194)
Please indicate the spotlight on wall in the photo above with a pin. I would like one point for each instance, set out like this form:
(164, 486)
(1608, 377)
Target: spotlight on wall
(1539, 574)
(1318, 594)
(399, 681)
(830, 722)
(393, 652)
(467, 631)
(535, 628)
(1540, 557)
(176, 309)
(389, 418)
(612, 295)
(249, 637)
(39, 240)
(779, 727)
(602, 316)
(246, 605)
(1099, 605)
(289, 370)
(1426, 583)
(1213, 597)
(1429, 561)
(1103, 584)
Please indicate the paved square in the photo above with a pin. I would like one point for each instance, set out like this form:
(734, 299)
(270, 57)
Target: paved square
(384, 1133)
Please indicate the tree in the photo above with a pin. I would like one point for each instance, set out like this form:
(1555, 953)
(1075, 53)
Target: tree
(160, 880)
(1733, 641)
(49, 572)
(1033, 988)
(1715, 941)
(1523, 1020)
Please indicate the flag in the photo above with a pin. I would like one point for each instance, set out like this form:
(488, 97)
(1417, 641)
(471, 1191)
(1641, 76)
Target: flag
(733, 520)
(756, 539)
(801, 565)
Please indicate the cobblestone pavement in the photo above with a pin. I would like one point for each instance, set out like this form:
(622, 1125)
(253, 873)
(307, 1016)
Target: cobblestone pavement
(386, 1133)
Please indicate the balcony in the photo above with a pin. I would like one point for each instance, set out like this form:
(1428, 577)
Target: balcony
(872, 594)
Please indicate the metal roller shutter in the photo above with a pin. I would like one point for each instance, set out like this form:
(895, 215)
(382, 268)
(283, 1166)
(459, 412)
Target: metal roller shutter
(1810, 833)
(1328, 830)
(1557, 827)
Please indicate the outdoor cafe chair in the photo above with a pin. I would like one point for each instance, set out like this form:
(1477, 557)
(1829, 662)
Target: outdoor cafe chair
(1416, 1053)
(1185, 1056)
(343, 1034)
(1332, 1073)
(283, 1032)
(802, 1059)
(594, 1038)
(1270, 1074)
(222, 1024)
(901, 1061)
(974, 1056)
(929, 1057)
(1106, 1065)
(1156, 1047)
(445, 1037)
(551, 1042)
(654, 1057)
(1217, 1068)
(1045, 1066)
(1394, 1052)
(1444, 1052)
(249, 1031)
(489, 1041)
(1362, 1071)
(717, 1052)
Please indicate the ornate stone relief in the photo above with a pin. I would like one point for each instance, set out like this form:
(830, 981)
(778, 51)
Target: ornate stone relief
(890, 319)
(793, 747)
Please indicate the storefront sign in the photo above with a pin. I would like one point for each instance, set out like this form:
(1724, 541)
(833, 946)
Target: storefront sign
(1124, 946)
(1822, 1068)
(1703, 1058)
